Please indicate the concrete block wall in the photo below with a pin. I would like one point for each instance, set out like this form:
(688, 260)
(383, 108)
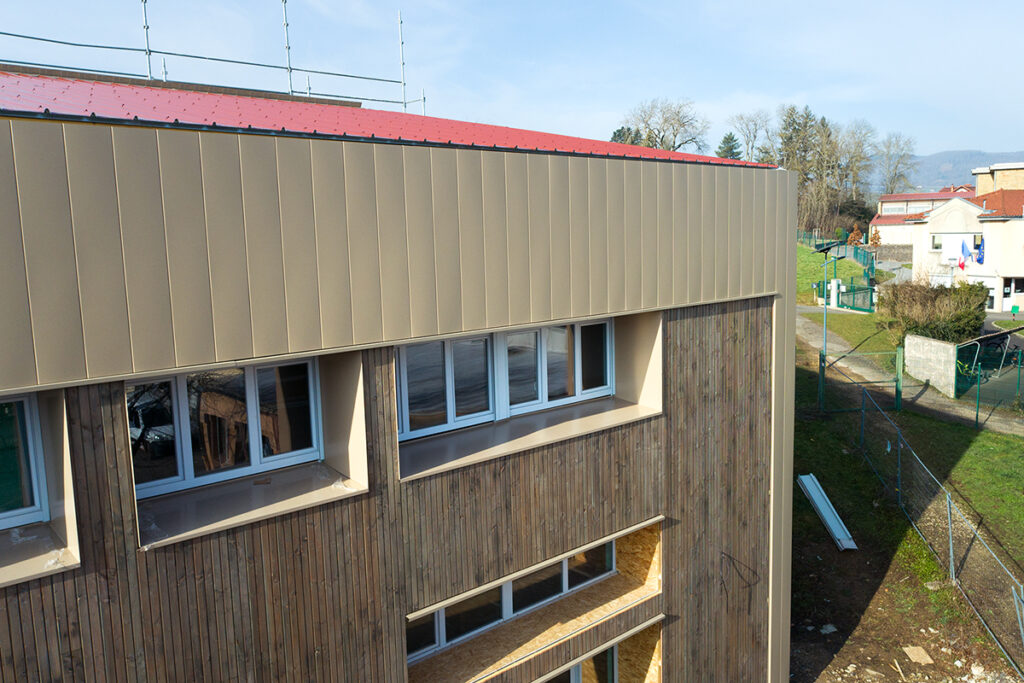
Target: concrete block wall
(932, 361)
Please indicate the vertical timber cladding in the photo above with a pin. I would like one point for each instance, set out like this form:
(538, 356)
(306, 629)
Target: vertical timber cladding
(718, 404)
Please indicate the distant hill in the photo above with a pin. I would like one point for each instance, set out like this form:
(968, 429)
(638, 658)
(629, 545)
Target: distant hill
(954, 167)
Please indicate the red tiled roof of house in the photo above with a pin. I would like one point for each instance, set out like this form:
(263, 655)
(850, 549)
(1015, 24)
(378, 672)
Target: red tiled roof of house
(1001, 204)
(889, 219)
(966, 187)
(918, 196)
(79, 97)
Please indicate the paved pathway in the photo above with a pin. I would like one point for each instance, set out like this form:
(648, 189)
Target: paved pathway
(916, 394)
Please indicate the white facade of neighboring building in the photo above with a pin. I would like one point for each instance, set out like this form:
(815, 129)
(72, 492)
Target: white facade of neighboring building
(892, 221)
(938, 241)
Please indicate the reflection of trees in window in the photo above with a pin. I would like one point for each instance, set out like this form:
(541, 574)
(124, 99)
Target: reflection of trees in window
(15, 473)
(285, 418)
(151, 428)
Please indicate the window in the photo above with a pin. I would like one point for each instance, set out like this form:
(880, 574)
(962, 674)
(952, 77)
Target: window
(977, 242)
(429, 633)
(936, 242)
(22, 485)
(444, 385)
(1018, 285)
(893, 208)
(213, 425)
(601, 668)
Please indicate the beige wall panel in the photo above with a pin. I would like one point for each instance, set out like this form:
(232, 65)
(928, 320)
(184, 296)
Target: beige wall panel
(447, 266)
(332, 242)
(738, 262)
(648, 236)
(298, 240)
(18, 360)
(495, 237)
(262, 212)
(633, 233)
(722, 247)
(188, 262)
(363, 248)
(561, 248)
(759, 228)
(389, 167)
(540, 236)
(48, 239)
(419, 220)
(694, 232)
(137, 173)
(666, 295)
(708, 236)
(597, 213)
(773, 202)
(579, 235)
(225, 235)
(471, 240)
(616, 235)
(518, 225)
(90, 155)
(680, 233)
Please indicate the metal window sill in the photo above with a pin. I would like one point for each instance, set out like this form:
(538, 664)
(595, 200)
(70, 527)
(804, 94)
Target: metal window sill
(32, 551)
(452, 450)
(184, 515)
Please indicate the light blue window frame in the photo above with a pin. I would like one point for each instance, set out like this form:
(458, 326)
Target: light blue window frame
(39, 511)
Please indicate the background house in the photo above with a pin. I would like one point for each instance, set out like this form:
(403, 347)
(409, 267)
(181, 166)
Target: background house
(296, 390)
(892, 224)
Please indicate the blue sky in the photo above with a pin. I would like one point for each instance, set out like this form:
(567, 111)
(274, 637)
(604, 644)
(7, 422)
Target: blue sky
(947, 74)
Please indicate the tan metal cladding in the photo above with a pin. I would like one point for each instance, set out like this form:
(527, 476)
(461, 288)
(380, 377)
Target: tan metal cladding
(128, 250)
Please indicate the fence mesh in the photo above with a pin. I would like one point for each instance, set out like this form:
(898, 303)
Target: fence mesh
(989, 374)
(968, 553)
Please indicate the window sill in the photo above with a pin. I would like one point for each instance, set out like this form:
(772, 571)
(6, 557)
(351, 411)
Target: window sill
(180, 516)
(452, 450)
(30, 552)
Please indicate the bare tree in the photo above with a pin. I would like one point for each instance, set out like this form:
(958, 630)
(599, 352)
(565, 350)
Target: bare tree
(668, 125)
(896, 160)
(751, 127)
(856, 152)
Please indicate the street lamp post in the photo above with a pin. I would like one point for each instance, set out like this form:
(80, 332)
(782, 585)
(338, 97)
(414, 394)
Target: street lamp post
(824, 338)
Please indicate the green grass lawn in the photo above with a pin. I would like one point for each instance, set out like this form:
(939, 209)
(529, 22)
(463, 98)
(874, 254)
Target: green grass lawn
(1009, 325)
(859, 330)
(809, 270)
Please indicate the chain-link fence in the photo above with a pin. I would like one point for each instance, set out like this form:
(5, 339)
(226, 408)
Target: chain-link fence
(954, 536)
(863, 257)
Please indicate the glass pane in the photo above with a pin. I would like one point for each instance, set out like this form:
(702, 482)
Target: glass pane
(151, 428)
(217, 420)
(424, 367)
(561, 370)
(590, 564)
(599, 668)
(473, 613)
(564, 677)
(522, 367)
(419, 634)
(15, 472)
(594, 355)
(536, 587)
(472, 376)
(285, 421)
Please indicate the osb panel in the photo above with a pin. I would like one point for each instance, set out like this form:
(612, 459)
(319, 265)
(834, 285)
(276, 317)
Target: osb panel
(640, 656)
(638, 555)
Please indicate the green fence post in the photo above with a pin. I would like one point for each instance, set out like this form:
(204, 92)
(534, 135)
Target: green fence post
(977, 395)
(863, 416)
(949, 521)
(1018, 372)
(821, 381)
(899, 378)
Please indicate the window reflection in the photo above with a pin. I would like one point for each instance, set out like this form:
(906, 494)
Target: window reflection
(561, 367)
(593, 356)
(472, 614)
(471, 363)
(15, 472)
(285, 421)
(424, 366)
(151, 428)
(590, 564)
(217, 420)
(522, 367)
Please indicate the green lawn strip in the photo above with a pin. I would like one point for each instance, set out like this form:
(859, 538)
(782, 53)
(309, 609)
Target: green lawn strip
(1009, 325)
(862, 332)
(809, 270)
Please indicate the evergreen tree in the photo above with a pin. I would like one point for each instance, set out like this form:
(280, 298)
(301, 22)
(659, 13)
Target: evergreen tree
(627, 136)
(729, 148)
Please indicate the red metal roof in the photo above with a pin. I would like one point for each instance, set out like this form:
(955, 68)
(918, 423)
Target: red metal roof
(924, 196)
(81, 97)
(889, 219)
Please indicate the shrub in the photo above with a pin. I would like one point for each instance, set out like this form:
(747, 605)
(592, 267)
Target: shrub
(856, 237)
(954, 314)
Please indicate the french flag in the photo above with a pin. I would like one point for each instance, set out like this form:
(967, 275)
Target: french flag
(965, 254)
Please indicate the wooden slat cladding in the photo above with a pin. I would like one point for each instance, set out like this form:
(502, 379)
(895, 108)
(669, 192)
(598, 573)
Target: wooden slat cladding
(322, 594)
(230, 246)
(718, 396)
